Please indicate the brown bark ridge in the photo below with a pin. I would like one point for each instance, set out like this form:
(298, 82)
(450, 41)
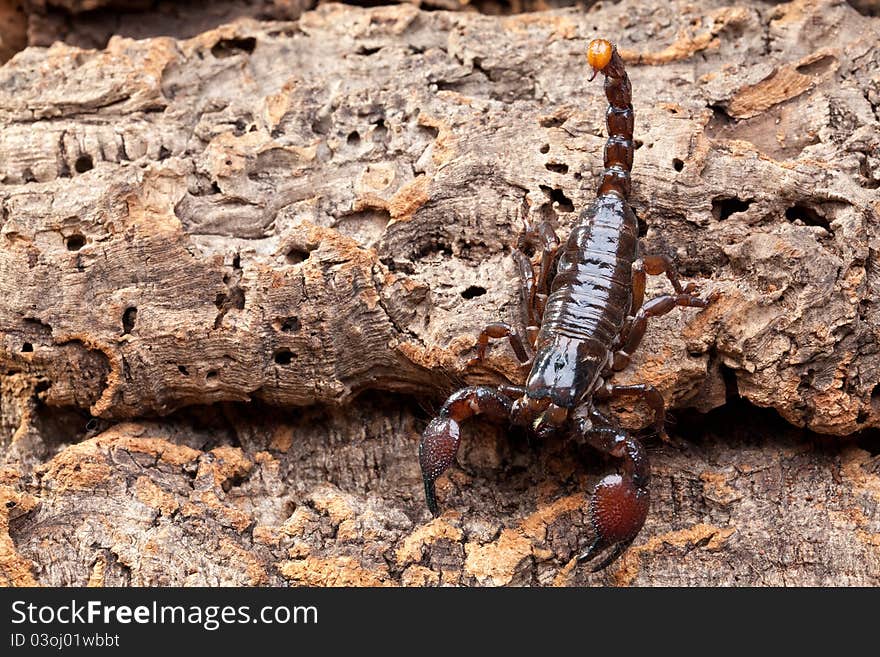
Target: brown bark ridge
(228, 262)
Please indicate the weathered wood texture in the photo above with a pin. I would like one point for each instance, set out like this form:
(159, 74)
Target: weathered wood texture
(91, 23)
(270, 216)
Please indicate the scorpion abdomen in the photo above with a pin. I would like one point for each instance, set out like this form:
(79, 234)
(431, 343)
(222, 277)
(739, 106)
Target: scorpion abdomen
(590, 298)
(591, 293)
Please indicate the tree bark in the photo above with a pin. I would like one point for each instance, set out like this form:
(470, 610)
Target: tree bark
(240, 271)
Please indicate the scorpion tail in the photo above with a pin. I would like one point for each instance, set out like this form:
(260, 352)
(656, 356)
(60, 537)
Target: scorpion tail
(602, 55)
(619, 504)
(442, 436)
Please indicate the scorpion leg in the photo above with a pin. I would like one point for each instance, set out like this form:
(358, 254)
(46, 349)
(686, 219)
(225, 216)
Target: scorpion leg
(619, 504)
(653, 308)
(442, 436)
(663, 264)
(538, 287)
(654, 265)
(651, 396)
(638, 290)
(499, 330)
(545, 276)
(527, 274)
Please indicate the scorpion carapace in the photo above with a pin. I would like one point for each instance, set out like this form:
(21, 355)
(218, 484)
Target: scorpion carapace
(585, 312)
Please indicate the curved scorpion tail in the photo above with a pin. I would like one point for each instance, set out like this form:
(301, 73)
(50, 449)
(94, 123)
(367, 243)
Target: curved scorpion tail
(602, 55)
(442, 436)
(619, 504)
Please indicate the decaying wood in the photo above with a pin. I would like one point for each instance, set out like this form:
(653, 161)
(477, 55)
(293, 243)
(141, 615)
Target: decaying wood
(241, 254)
(91, 23)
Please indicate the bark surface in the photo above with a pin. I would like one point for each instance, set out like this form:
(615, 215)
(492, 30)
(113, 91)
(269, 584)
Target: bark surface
(239, 271)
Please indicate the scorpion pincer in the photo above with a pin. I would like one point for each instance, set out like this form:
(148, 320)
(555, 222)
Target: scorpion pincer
(585, 310)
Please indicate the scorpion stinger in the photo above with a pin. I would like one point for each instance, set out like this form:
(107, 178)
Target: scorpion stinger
(586, 312)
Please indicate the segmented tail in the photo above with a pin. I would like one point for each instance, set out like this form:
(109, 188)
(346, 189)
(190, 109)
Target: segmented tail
(602, 55)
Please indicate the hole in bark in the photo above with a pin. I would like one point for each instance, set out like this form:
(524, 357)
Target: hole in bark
(284, 357)
(731, 388)
(643, 225)
(807, 215)
(429, 130)
(182, 369)
(558, 196)
(291, 325)
(233, 482)
(677, 164)
(164, 153)
(83, 163)
(354, 138)
(552, 121)
(869, 440)
(545, 149)
(473, 291)
(432, 245)
(817, 67)
(366, 52)
(75, 242)
(129, 317)
(10, 504)
(211, 375)
(231, 47)
(297, 255)
(226, 302)
(724, 206)
(637, 144)
(27, 175)
(865, 7)
(556, 167)
(380, 132)
(875, 398)
(27, 347)
(720, 120)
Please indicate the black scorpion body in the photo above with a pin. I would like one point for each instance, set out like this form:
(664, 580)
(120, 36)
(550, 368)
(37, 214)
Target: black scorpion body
(591, 319)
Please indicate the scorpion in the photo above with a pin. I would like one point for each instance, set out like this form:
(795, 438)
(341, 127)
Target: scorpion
(584, 300)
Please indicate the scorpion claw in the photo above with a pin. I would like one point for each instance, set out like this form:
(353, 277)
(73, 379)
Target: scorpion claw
(436, 453)
(594, 549)
(431, 498)
(618, 510)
